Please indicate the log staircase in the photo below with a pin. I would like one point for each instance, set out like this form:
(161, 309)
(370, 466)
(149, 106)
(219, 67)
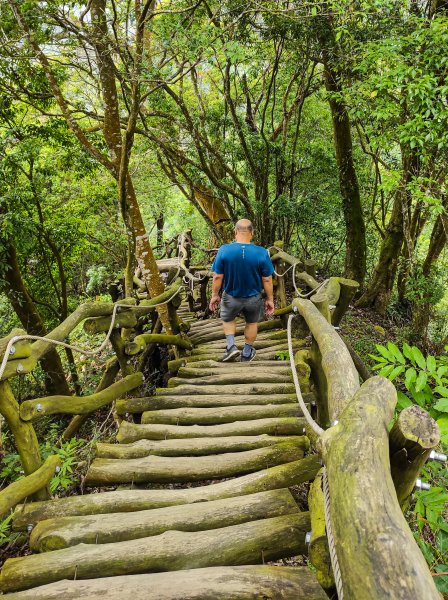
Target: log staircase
(202, 502)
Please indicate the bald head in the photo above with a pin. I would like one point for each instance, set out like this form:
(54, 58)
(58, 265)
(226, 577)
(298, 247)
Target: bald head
(244, 230)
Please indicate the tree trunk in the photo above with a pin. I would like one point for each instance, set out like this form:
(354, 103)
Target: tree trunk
(17, 293)
(380, 288)
(355, 257)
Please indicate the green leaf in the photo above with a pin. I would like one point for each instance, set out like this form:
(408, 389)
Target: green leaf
(379, 359)
(397, 371)
(410, 377)
(443, 391)
(442, 405)
(441, 371)
(418, 357)
(385, 352)
(396, 352)
(441, 581)
(421, 381)
(431, 364)
(442, 422)
(385, 371)
(403, 401)
(419, 397)
(407, 351)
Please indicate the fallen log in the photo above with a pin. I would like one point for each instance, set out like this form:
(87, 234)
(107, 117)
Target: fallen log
(282, 476)
(140, 405)
(371, 534)
(217, 583)
(163, 469)
(30, 410)
(21, 489)
(195, 447)
(54, 534)
(241, 388)
(217, 415)
(411, 439)
(96, 325)
(130, 432)
(248, 543)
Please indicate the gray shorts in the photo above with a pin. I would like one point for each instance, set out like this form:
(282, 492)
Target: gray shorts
(252, 308)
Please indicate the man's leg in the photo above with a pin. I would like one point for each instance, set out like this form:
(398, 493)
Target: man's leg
(250, 333)
(229, 331)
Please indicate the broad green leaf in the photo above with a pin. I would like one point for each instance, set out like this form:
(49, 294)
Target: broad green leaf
(397, 371)
(442, 405)
(421, 381)
(407, 351)
(385, 371)
(441, 371)
(380, 359)
(418, 357)
(431, 364)
(410, 377)
(403, 401)
(385, 352)
(442, 391)
(419, 397)
(396, 352)
(442, 422)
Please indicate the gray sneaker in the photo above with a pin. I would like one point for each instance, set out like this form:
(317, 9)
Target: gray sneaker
(230, 354)
(250, 357)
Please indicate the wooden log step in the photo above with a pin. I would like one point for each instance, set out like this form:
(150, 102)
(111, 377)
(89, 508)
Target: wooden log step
(281, 476)
(271, 354)
(242, 388)
(218, 415)
(191, 372)
(54, 534)
(248, 543)
(195, 447)
(179, 469)
(221, 345)
(218, 365)
(217, 333)
(233, 378)
(217, 583)
(131, 432)
(139, 405)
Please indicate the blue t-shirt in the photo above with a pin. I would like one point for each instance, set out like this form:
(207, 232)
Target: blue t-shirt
(243, 266)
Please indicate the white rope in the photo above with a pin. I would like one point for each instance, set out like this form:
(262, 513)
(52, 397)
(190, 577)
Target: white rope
(331, 542)
(311, 422)
(16, 338)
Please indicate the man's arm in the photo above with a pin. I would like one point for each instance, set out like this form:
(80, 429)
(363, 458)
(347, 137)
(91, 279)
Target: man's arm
(216, 286)
(269, 290)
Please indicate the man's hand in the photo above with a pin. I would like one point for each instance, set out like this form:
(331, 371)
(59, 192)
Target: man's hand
(269, 307)
(214, 302)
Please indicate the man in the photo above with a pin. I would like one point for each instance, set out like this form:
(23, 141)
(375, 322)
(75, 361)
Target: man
(244, 268)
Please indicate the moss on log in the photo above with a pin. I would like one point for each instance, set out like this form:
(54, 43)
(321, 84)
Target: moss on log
(20, 366)
(319, 554)
(96, 325)
(164, 296)
(329, 292)
(218, 367)
(30, 410)
(247, 543)
(140, 405)
(341, 379)
(348, 288)
(55, 534)
(254, 370)
(20, 348)
(241, 388)
(217, 415)
(24, 435)
(411, 439)
(163, 469)
(373, 540)
(140, 342)
(217, 583)
(21, 489)
(130, 432)
(232, 379)
(282, 476)
(195, 447)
